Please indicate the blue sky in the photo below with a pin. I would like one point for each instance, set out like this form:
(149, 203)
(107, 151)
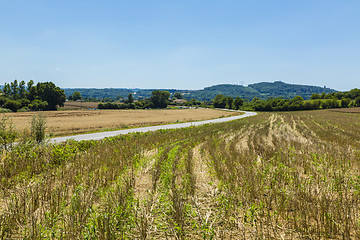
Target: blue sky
(180, 44)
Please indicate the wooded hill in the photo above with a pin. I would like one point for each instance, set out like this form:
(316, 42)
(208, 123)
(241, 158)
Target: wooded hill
(261, 90)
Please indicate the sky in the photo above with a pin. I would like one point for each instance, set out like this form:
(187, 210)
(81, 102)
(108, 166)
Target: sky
(180, 44)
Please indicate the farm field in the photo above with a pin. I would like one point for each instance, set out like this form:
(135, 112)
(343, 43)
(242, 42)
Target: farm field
(347, 110)
(289, 175)
(80, 121)
(79, 105)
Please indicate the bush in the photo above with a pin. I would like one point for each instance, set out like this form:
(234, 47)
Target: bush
(12, 105)
(38, 126)
(315, 96)
(24, 103)
(345, 102)
(8, 133)
(357, 102)
(3, 100)
(37, 105)
(4, 110)
(24, 109)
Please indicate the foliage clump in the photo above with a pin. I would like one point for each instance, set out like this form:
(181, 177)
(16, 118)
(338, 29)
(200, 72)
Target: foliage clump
(38, 127)
(8, 132)
(317, 101)
(158, 99)
(42, 96)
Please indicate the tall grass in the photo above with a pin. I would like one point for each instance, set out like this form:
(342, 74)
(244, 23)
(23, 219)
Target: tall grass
(273, 176)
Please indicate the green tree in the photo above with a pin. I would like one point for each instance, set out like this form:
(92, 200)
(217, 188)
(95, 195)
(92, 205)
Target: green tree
(315, 96)
(357, 102)
(76, 96)
(339, 95)
(297, 100)
(316, 104)
(255, 99)
(30, 84)
(229, 102)
(354, 93)
(37, 105)
(22, 89)
(52, 94)
(345, 102)
(178, 95)
(219, 101)
(130, 99)
(14, 87)
(159, 98)
(238, 102)
(32, 92)
(3, 100)
(13, 105)
(7, 90)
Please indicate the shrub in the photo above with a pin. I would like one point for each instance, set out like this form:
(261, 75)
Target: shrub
(345, 102)
(8, 133)
(38, 126)
(24, 109)
(12, 105)
(4, 110)
(37, 105)
(3, 100)
(357, 102)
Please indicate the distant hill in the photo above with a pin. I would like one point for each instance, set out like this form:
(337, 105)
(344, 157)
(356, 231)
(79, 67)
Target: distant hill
(278, 88)
(232, 90)
(99, 92)
(261, 90)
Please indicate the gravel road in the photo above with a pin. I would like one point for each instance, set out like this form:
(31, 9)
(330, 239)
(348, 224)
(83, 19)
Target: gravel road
(101, 135)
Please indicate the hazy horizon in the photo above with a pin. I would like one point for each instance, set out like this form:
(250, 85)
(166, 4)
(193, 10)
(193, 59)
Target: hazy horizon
(180, 44)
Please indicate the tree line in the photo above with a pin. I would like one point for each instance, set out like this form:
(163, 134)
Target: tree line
(28, 96)
(158, 99)
(318, 101)
(221, 101)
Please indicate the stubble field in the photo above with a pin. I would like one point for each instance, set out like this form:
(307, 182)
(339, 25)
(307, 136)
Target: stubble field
(80, 121)
(293, 175)
(347, 110)
(71, 105)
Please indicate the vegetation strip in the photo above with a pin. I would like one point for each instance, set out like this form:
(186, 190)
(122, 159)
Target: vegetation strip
(101, 135)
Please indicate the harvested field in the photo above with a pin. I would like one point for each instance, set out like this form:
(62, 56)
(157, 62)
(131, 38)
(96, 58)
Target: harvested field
(79, 105)
(287, 175)
(80, 121)
(346, 110)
